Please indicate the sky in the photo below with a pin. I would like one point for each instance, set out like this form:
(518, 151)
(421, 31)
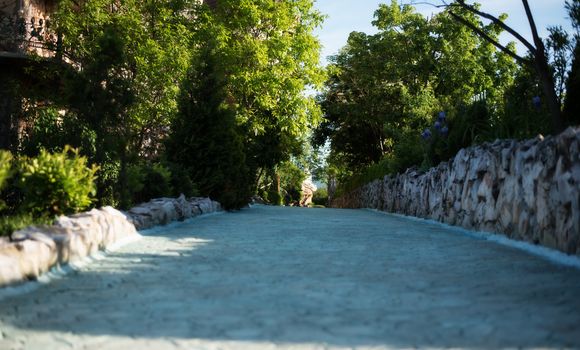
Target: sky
(345, 16)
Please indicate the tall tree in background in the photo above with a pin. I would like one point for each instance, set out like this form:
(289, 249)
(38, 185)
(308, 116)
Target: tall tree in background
(539, 57)
(128, 59)
(269, 57)
(387, 87)
(572, 99)
(248, 111)
(205, 137)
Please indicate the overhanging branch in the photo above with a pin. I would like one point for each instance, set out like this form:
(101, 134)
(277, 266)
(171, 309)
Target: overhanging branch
(497, 21)
(494, 42)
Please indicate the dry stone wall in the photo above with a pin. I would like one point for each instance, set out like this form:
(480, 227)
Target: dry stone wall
(35, 250)
(527, 190)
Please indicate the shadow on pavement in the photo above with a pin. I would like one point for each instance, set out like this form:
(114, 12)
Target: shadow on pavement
(292, 275)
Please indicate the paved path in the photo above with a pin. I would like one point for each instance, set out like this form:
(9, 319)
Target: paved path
(270, 278)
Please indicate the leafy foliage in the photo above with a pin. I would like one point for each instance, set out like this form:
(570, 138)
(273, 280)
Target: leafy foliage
(54, 184)
(421, 88)
(291, 178)
(11, 223)
(5, 167)
(49, 129)
(205, 137)
(131, 57)
(268, 56)
(146, 181)
(320, 197)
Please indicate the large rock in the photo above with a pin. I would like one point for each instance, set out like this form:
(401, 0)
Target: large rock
(27, 257)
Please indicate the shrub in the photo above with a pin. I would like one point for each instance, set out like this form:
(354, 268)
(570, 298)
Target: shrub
(135, 180)
(9, 224)
(157, 182)
(181, 181)
(55, 184)
(263, 194)
(5, 173)
(47, 129)
(320, 197)
(5, 167)
(107, 182)
(291, 178)
(146, 181)
(275, 198)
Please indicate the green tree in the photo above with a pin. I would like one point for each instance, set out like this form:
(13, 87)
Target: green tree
(129, 60)
(538, 58)
(205, 137)
(572, 98)
(268, 56)
(385, 89)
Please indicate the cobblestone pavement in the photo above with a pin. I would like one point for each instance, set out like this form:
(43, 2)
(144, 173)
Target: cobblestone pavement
(292, 278)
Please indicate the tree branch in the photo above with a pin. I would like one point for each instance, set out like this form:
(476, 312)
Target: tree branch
(498, 22)
(481, 33)
(537, 40)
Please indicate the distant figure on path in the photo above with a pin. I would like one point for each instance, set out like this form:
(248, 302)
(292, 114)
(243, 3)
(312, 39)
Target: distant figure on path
(308, 189)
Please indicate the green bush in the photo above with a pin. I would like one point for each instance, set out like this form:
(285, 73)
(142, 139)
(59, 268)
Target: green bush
(181, 181)
(263, 194)
(9, 224)
(274, 198)
(146, 181)
(5, 167)
(6, 172)
(291, 178)
(320, 197)
(107, 183)
(55, 184)
(48, 129)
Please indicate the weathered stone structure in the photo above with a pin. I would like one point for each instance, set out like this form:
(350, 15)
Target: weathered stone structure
(24, 33)
(528, 190)
(308, 189)
(24, 27)
(35, 250)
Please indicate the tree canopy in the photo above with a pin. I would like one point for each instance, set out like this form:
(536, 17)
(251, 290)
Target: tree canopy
(138, 76)
(421, 88)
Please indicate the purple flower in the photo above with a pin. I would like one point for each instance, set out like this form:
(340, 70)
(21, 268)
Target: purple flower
(437, 125)
(444, 131)
(537, 102)
(426, 134)
(442, 116)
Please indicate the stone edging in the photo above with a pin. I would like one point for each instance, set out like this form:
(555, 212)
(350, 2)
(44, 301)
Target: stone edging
(35, 250)
(527, 190)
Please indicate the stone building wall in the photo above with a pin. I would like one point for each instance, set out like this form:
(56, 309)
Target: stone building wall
(24, 26)
(528, 190)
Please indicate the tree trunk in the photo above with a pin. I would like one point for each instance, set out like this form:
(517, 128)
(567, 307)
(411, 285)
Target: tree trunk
(549, 91)
(540, 61)
(546, 77)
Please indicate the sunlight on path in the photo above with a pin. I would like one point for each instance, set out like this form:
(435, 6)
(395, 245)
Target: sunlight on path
(294, 278)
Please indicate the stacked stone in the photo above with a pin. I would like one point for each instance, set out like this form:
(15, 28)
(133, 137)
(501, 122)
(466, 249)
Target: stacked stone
(528, 190)
(162, 211)
(35, 250)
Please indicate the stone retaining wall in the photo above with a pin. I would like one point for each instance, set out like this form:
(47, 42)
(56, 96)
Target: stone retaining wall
(528, 190)
(35, 250)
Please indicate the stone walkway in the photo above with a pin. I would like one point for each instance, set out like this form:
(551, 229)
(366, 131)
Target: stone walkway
(292, 278)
